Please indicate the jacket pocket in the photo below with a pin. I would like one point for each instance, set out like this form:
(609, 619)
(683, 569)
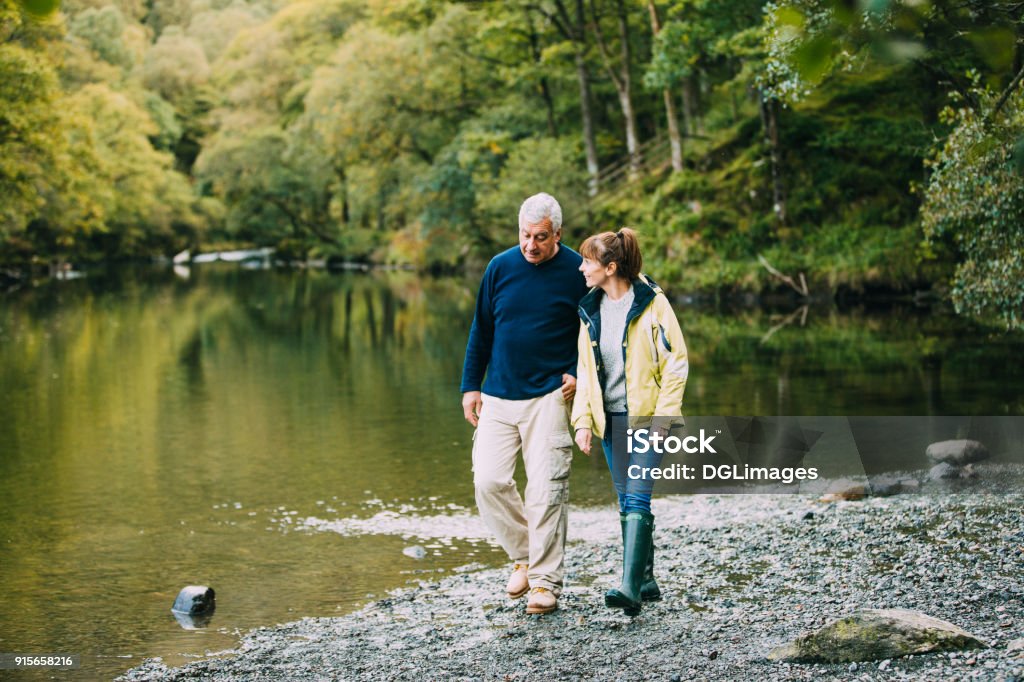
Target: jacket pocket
(663, 338)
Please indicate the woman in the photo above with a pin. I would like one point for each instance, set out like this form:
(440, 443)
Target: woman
(632, 359)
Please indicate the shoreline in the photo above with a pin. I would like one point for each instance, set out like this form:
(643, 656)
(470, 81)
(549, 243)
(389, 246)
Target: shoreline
(734, 293)
(741, 575)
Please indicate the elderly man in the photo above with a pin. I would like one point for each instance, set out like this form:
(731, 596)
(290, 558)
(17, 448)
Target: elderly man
(524, 338)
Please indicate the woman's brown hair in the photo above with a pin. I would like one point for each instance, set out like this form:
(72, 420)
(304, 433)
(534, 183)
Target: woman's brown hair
(621, 248)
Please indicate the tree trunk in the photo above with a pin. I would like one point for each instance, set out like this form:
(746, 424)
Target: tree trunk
(689, 106)
(545, 90)
(670, 105)
(573, 27)
(699, 86)
(769, 121)
(632, 143)
(626, 95)
(343, 189)
(589, 144)
(674, 138)
(621, 79)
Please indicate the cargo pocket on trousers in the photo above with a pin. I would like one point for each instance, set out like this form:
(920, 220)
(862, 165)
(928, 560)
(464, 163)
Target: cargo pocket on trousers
(561, 464)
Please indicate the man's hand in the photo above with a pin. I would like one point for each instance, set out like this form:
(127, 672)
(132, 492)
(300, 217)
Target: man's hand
(583, 439)
(568, 387)
(471, 405)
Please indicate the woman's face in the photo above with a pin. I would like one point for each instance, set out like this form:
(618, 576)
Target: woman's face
(595, 273)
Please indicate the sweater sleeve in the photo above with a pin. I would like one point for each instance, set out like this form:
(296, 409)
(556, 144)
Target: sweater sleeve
(673, 360)
(481, 337)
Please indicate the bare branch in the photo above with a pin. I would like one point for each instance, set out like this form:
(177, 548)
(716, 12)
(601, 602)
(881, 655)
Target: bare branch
(1006, 94)
(798, 288)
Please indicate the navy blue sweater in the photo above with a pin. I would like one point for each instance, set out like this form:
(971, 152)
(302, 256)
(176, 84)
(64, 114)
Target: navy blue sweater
(526, 324)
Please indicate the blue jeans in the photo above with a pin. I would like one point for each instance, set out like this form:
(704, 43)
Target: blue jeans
(634, 494)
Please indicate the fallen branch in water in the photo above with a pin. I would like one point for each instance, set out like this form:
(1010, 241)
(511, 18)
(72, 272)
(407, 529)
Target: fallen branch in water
(800, 288)
(800, 312)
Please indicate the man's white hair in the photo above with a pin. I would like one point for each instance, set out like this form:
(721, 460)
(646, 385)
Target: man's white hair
(537, 208)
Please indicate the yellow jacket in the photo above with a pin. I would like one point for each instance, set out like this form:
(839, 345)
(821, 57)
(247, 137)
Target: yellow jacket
(655, 359)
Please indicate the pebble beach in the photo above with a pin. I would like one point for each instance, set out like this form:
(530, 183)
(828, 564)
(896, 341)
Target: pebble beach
(740, 574)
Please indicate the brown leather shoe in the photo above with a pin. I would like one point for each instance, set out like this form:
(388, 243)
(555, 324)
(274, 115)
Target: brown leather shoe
(542, 600)
(518, 584)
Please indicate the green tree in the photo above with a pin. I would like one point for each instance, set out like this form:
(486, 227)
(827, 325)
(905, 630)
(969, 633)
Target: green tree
(975, 199)
(175, 66)
(144, 201)
(214, 29)
(32, 145)
(102, 29)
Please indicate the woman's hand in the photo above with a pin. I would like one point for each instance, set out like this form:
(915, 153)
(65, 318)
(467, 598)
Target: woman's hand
(583, 438)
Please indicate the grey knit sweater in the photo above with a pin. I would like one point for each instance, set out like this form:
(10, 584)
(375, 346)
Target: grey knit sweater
(613, 324)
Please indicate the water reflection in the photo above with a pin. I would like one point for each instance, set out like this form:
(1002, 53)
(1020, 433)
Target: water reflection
(158, 432)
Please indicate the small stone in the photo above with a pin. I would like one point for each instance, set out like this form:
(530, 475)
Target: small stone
(943, 471)
(416, 552)
(844, 489)
(195, 600)
(713, 655)
(957, 452)
(885, 487)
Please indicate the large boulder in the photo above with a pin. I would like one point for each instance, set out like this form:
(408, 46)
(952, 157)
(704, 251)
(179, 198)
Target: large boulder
(876, 634)
(957, 452)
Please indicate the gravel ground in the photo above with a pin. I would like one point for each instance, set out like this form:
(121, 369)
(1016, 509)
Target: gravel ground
(741, 574)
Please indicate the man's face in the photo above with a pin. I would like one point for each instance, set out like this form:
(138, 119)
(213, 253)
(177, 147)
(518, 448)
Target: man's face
(538, 241)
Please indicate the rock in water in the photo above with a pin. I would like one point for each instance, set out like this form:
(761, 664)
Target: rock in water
(957, 452)
(416, 552)
(876, 634)
(194, 600)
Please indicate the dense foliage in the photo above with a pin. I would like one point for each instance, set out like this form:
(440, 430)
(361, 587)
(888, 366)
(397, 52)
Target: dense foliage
(976, 200)
(806, 132)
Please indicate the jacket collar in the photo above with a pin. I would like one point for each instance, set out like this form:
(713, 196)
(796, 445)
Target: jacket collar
(644, 291)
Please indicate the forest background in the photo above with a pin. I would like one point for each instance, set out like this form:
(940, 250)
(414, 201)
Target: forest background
(852, 145)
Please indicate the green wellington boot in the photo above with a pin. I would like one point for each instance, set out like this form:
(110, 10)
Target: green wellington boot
(636, 541)
(649, 590)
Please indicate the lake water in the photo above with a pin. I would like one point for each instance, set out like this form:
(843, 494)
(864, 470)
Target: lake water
(256, 430)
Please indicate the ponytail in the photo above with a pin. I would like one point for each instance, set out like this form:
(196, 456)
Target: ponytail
(621, 248)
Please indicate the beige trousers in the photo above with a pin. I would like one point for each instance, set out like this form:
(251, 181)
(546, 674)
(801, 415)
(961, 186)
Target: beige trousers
(532, 533)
